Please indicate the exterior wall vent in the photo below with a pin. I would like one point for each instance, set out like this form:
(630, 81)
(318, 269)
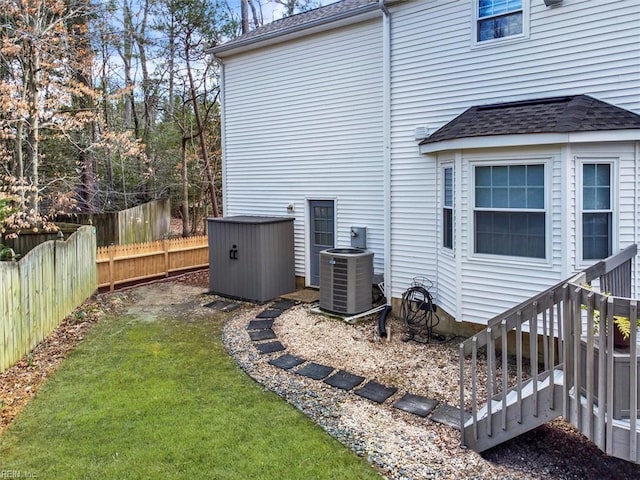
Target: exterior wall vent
(420, 133)
(346, 276)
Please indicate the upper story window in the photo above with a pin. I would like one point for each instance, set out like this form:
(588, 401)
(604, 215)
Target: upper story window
(509, 213)
(499, 19)
(447, 208)
(597, 214)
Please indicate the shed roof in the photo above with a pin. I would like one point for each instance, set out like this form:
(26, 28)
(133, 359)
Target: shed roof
(318, 16)
(579, 113)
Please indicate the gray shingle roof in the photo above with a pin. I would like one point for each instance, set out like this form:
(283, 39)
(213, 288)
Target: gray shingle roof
(326, 14)
(580, 113)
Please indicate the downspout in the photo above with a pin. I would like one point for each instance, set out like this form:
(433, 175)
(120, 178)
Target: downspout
(386, 145)
(634, 281)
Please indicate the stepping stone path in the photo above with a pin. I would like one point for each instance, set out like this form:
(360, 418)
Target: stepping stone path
(287, 361)
(260, 324)
(223, 305)
(266, 334)
(375, 392)
(315, 371)
(269, 314)
(344, 380)
(416, 404)
(270, 347)
(260, 329)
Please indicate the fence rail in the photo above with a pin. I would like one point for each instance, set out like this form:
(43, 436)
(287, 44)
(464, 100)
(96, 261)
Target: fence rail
(41, 289)
(118, 264)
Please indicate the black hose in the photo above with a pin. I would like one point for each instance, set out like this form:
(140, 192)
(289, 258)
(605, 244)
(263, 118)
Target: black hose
(419, 313)
(382, 321)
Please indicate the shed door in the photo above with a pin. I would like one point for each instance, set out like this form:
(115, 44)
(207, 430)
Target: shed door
(322, 234)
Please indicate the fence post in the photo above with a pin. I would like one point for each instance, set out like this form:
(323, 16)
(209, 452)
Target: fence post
(165, 246)
(111, 273)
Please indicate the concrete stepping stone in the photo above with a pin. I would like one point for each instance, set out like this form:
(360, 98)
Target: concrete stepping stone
(344, 380)
(448, 415)
(266, 334)
(269, 347)
(315, 371)
(283, 305)
(375, 391)
(287, 361)
(269, 313)
(416, 404)
(260, 324)
(223, 305)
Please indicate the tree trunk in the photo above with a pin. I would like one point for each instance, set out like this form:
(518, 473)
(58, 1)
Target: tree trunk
(86, 136)
(201, 134)
(33, 122)
(147, 94)
(185, 190)
(244, 13)
(127, 55)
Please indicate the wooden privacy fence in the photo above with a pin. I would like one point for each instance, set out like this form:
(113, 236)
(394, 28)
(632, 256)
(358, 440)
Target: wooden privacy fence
(40, 290)
(144, 223)
(119, 264)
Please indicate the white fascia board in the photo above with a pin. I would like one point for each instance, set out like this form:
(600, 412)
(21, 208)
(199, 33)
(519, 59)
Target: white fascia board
(299, 31)
(605, 136)
(497, 141)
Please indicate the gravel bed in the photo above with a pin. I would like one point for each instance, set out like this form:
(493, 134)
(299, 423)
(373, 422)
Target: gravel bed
(398, 444)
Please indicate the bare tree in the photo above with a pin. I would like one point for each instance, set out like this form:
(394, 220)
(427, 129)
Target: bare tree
(297, 6)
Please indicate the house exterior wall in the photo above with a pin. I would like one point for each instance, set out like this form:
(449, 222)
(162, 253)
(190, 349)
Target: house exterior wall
(626, 182)
(492, 284)
(303, 121)
(437, 71)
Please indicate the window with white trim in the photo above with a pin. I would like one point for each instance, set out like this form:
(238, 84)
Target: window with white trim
(447, 207)
(509, 213)
(597, 214)
(498, 19)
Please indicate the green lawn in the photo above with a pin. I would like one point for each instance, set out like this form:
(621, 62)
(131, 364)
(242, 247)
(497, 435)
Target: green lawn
(159, 400)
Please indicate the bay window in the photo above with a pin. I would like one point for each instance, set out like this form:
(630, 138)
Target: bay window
(447, 208)
(596, 211)
(509, 213)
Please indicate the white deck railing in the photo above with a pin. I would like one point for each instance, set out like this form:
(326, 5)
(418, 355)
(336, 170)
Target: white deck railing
(563, 329)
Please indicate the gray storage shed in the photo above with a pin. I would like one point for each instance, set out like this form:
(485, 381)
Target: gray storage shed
(251, 257)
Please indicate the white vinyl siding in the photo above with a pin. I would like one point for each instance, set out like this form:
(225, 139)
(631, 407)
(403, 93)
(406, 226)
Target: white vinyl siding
(437, 73)
(491, 284)
(625, 202)
(446, 277)
(304, 121)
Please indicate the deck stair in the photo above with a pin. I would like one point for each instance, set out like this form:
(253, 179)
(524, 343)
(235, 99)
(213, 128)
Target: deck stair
(578, 372)
(515, 412)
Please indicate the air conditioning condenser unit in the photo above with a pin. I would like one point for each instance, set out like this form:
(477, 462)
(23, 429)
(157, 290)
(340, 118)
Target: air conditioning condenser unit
(346, 276)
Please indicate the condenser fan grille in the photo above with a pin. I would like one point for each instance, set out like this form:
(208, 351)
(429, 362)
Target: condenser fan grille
(340, 284)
